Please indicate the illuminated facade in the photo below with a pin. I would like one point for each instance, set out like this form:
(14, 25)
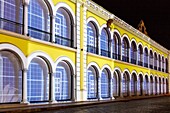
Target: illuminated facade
(61, 50)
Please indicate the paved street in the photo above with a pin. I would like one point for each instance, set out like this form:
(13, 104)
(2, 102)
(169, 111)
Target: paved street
(153, 105)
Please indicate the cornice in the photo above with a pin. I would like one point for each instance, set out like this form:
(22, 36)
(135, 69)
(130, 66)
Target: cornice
(100, 11)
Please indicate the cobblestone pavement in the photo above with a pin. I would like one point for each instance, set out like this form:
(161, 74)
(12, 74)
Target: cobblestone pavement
(153, 105)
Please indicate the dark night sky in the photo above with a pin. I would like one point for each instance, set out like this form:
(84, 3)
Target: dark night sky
(154, 13)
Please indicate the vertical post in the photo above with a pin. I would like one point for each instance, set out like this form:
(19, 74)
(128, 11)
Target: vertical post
(24, 85)
(25, 17)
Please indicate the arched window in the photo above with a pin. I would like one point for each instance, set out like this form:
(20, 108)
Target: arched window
(160, 86)
(155, 61)
(166, 65)
(159, 62)
(38, 81)
(140, 84)
(39, 20)
(116, 46)
(163, 64)
(125, 50)
(140, 55)
(151, 85)
(92, 40)
(151, 59)
(105, 82)
(133, 52)
(146, 57)
(156, 86)
(11, 15)
(63, 28)
(146, 85)
(125, 84)
(167, 86)
(92, 83)
(134, 85)
(10, 78)
(104, 43)
(116, 83)
(63, 82)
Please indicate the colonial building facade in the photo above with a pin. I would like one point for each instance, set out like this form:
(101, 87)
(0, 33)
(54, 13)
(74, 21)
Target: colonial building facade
(62, 50)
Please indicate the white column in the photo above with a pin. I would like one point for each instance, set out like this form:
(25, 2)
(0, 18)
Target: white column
(25, 16)
(1, 79)
(24, 90)
(52, 88)
(53, 28)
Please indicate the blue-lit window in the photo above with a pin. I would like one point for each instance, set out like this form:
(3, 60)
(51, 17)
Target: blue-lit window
(155, 61)
(10, 78)
(92, 39)
(104, 84)
(11, 15)
(146, 57)
(151, 60)
(63, 28)
(160, 85)
(63, 82)
(125, 50)
(125, 84)
(140, 55)
(37, 81)
(91, 83)
(115, 46)
(39, 20)
(133, 53)
(163, 64)
(104, 43)
(151, 85)
(140, 87)
(115, 84)
(166, 65)
(156, 83)
(133, 84)
(146, 85)
(159, 63)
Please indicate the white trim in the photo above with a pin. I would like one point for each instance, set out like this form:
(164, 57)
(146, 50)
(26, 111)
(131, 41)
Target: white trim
(42, 55)
(107, 67)
(95, 21)
(125, 35)
(68, 60)
(102, 27)
(15, 49)
(64, 5)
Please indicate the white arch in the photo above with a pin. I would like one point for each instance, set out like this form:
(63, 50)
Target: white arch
(134, 71)
(107, 67)
(15, 49)
(125, 35)
(42, 55)
(141, 46)
(64, 58)
(95, 21)
(146, 47)
(51, 4)
(101, 28)
(134, 41)
(64, 5)
(93, 64)
(117, 68)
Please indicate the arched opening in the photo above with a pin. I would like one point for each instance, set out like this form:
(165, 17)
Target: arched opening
(167, 86)
(146, 58)
(133, 52)
(163, 84)
(39, 20)
(134, 85)
(151, 85)
(11, 15)
(151, 59)
(64, 31)
(140, 84)
(116, 46)
(146, 85)
(92, 38)
(166, 70)
(10, 78)
(116, 83)
(105, 43)
(63, 81)
(125, 84)
(125, 50)
(92, 83)
(105, 84)
(163, 64)
(155, 61)
(140, 55)
(38, 81)
(159, 62)
(160, 85)
(156, 86)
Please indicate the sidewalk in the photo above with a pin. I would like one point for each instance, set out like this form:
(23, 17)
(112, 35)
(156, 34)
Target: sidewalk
(20, 108)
